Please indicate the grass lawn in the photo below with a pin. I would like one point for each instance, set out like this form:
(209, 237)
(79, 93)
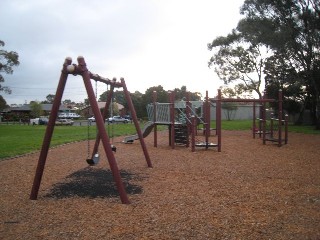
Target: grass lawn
(20, 139)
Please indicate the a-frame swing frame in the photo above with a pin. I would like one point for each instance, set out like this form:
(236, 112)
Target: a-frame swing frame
(81, 69)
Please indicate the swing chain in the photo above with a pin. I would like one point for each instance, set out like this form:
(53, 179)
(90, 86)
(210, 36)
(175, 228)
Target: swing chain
(89, 123)
(88, 139)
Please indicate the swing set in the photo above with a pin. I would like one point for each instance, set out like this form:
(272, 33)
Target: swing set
(81, 69)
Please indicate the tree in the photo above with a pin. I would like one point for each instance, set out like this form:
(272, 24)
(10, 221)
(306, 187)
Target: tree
(68, 102)
(237, 59)
(3, 103)
(162, 95)
(139, 106)
(230, 107)
(182, 92)
(117, 97)
(86, 102)
(291, 29)
(36, 109)
(49, 98)
(7, 61)
(104, 96)
(280, 75)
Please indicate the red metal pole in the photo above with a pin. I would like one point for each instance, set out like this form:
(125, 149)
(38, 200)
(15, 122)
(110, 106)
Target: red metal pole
(280, 119)
(49, 130)
(188, 117)
(207, 120)
(286, 129)
(102, 132)
(254, 121)
(155, 135)
(172, 118)
(271, 124)
(193, 129)
(136, 123)
(218, 119)
(263, 113)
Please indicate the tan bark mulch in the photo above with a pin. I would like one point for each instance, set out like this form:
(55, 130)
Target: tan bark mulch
(247, 191)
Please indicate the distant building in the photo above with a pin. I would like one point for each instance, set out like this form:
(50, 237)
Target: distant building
(22, 113)
(87, 111)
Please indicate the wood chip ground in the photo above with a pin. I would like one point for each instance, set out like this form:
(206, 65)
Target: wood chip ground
(247, 191)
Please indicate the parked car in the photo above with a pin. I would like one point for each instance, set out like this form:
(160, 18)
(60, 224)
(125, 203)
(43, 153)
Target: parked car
(39, 121)
(128, 117)
(92, 119)
(64, 122)
(117, 119)
(34, 121)
(68, 115)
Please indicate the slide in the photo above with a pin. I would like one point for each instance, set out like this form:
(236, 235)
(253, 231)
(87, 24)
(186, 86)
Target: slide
(145, 132)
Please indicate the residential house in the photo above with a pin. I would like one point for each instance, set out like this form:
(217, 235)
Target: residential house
(23, 113)
(87, 111)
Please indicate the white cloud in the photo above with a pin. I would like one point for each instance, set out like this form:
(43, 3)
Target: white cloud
(148, 42)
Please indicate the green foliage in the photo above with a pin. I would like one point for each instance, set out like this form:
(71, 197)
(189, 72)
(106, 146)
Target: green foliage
(303, 129)
(162, 95)
(137, 101)
(278, 39)
(181, 94)
(140, 100)
(49, 98)
(3, 103)
(7, 61)
(21, 139)
(237, 60)
(292, 30)
(36, 109)
(115, 109)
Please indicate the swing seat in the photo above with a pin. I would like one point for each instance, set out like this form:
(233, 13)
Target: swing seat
(114, 148)
(93, 161)
(205, 144)
(90, 161)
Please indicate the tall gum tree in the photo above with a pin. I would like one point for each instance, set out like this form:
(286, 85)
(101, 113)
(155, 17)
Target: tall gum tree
(8, 59)
(291, 28)
(239, 61)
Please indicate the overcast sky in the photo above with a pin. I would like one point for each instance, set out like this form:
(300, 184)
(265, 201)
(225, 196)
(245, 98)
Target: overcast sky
(148, 42)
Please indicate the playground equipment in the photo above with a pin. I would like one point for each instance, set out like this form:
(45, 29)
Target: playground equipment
(145, 132)
(182, 121)
(271, 129)
(207, 129)
(267, 134)
(81, 69)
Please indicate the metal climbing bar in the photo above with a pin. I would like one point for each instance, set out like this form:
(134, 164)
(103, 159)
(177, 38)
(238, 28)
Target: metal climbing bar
(162, 112)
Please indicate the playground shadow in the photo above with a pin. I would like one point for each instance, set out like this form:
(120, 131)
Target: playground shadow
(93, 183)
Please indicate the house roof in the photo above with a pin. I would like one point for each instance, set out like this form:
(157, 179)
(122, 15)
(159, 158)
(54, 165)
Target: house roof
(45, 107)
(101, 105)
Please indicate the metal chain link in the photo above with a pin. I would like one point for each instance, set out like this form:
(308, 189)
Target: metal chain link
(88, 140)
